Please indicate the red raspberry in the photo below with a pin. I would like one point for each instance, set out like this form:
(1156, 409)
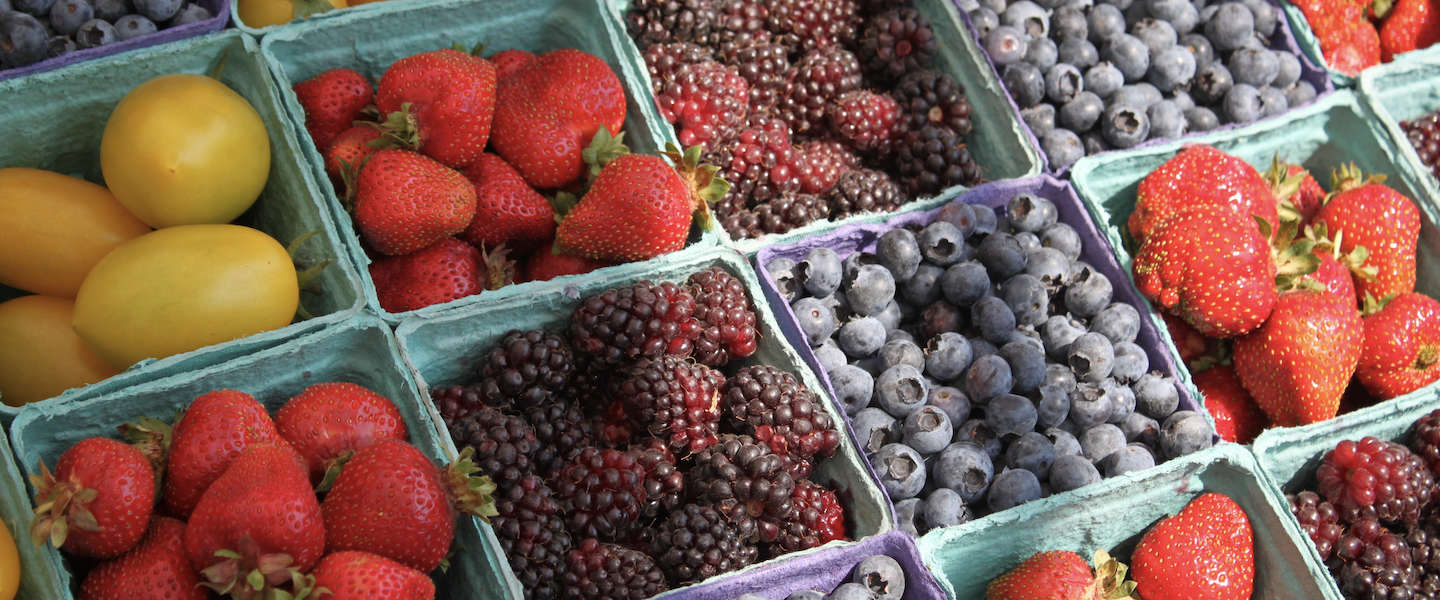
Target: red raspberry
(706, 102)
(825, 162)
(868, 121)
(1373, 478)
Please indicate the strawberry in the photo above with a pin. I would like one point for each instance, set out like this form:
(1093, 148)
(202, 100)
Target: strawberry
(328, 422)
(1299, 195)
(333, 100)
(507, 62)
(548, 111)
(1353, 46)
(1200, 176)
(1297, 364)
(216, 428)
(351, 148)
(405, 202)
(546, 263)
(1211, 267)
(1366, 212)
(258, 527)
(1062, 575)
(365, 576)
(1193, 347)
(1207, 552)
(392, 501)
(156, 569)
(97, 502)
(1402, 345)
(443, 101)
(1237, 417)
(508, 211)
(640, 207)
(1410, 25)
(447, 270)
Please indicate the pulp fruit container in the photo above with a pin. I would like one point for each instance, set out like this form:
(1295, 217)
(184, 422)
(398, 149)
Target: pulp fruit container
(1408, 88)
(219, 11)
(446, 349)
(369, 41)
(1113, 516)
(359, 350)
(54, 121)
(40, 575)
(1000, 143)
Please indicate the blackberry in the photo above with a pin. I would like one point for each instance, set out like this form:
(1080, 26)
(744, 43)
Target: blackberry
(816, 23)
(934, 98)
(867, 121)
(640, 320)
(816, 517)
(456, 402)
(600, 571)
(781, 412)
(1424, 542)
(661, 21)
(791, 211)
(1370, 562)
(1424, 134)
(561, 429)
(525, 369)
(664, 483)
(819, 78)
(897, 42)
(1425, 440)
(763, 66)
(706, 101)
(1375, 479)
(699, 541)
(932, 158)
(724, 311)
(825, 162)
(674, 399)
(1318, 519)
(761, 164)
(532, 534)
(602, 492)
(742, 224)
(744, 474)
(504, 444)
(664, 60)
(864, 191)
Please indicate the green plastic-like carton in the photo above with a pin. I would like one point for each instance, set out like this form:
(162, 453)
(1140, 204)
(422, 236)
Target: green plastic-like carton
(1406, 89)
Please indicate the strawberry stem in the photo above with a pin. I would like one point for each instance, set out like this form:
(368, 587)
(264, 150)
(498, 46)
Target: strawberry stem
(471, 493)
(603, 148)
(247, 574)
(1427, 356)
(401, 129)
(1110, 583)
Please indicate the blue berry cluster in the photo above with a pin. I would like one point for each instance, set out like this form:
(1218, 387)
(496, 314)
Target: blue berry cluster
(984, 364)
(34, 30)
(878, 577)
(1095, 75)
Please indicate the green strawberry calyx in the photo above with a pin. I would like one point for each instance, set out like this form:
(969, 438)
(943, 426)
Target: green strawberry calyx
(473, 494)
(604, 147)
(401, 129)
(248, 574)
(1348, 177)
(1110, 583)
(60, 505)
(1354, 260)
(707, 187)
(1284, 186)
(1293, 254)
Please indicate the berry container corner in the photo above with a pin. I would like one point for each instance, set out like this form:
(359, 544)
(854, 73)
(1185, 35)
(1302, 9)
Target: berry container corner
(64, 136)
(1004, 147)
(369, 41)
(1113, 515)
(444, 349)
(1406, 89)
(1310, 45)
(359, 350)
(220, 14)
(40, 574)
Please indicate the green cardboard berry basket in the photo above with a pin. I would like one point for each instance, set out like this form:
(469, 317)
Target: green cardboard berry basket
(1000, 143)
(40, 575)
(54, 120)
(445, 349)
(1113, 515)
(371, 40)
(1406, 89)
(359, 350)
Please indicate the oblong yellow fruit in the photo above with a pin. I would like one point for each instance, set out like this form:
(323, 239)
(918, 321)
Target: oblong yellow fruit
(9, 565)
(41, 356)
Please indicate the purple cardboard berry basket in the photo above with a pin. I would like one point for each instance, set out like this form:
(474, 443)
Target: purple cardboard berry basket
(220, 13)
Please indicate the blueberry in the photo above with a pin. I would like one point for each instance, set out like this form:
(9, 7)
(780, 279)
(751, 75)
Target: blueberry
(1069, 23)
(861, 337)
(1027, 298)
(1048, 265)
(1027, 17)
(1133, 457)
(23, 39)
(891, 317)
(871, 290)
(850, 267)
(1062, 147)
(1156, 34)
(851, 591)
(977, 432)
(923, 287)
(1201, 119)
(1232, 25)
(66, 16)
(112, 10)
(1105, 21)
(190, 13)
(1242, 104)
(988, 376)
(1101, 440)
(1002, 255)
(1122, 400)
(1009, 414)
(1062, 237)
(829, 355)
(1078, 53)
(1288, 71)
(1006, 44)
(1182, 100)
(947, 356)
(1156, 396)
(985, 220)
(1181, 15)
(965, 468)
(939, 318)
(1089, 406)
(959, 214)
(985, 21)
(1103, 79)
(1254, 66)
(1028, 212)
(1130, 362)
(1185, 432)
(993, 318)
(1042, 53)
(1212, 83)
(927, 430)
(1267, 17)
(1027, 365)
(1061, 375)
(964, 283)
(1272, 102)
(1124, 126)
(1082, 112)
(944, 508)
(1128, 54)
(1062, 82)
(1025, 82)
(942, 244)
(874, 428)
(900, 390)
(35, 8)
(1029, 242)
(1032, 452)
(839, 304)
(899, 252)
(817, 321)
(1300, 93)
(1092, 357)
(1071, 472)
(1053, 405)
(897, 335)
(1040, 119)
(901, 470)
(820, 272)
(782, 271)
(853, 387)
(1013, 488)
(1139, 428)
(59, 46)
(1065, 443)
(952, 401)
(902, 353)
(1172, 68)
(905, 513)
(133, 26)
(1167, 120)
(1025, 334)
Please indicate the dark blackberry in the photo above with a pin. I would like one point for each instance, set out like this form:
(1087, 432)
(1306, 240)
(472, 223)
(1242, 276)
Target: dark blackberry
(643, 319)
(1424, 134)
(761, 164)
(745, 474)
(725, 312)
(661, 21)
(705, 101)
(1376, 479)
(875, 7)
(867, 121)
(664, 483)
(1424, 542)
(699, 541)
(791, 211)
(741, 24)
(864, 191)
(600, 571)
(504, 444)
(933, 158)
(663, 60)
(602, 492)
(1370, 562)
(763, 65)
(562, 430)
(1425, 440)
(532, 534)
(456, 402)
(816, 23)
(674, 399)
(1318, 519)
(781, 412)
(897, 42)
(933, 98)
(825, 162)
(816, 517)
(742, 224)
(818, 79)
(525, 369)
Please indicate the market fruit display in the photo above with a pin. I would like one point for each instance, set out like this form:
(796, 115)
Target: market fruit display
(35, 30)
(877, 577)
(1357, 35)
(40, 353)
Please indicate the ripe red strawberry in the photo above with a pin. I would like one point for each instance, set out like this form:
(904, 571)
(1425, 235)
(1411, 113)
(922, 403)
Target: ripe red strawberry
(1353, 46)
(1299, 195)
(351, 147)
(365, 576)
(640, 207)
(508, 211)
(1210, 266)
(1205, 552)
(507, 62)
(547, 113)
(260, 520)
(1411, 25)
(156, 569)
(1298, 363)
(216, 428)
(1402, 346)
(329, 421)
(445, 271)
(97, 502)
(444, 101)
(546, 263)
(332, 101)
(1237, 417)
(1062, 575)
(392, 501)
(1337, 272)
(405, 202)
(1193, 346)
(1200, 176)
(1366, 212)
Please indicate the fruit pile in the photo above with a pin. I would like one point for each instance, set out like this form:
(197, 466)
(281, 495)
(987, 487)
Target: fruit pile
(1095, 76)
(444, 160)
(34, 30)
(326, 494)
(628, 462)
(983, 364)
(812, 109)
(878, 577)
(1270, 275)
(1205, 551)
(1424, 135)
(1355, 34)
(1372, 515)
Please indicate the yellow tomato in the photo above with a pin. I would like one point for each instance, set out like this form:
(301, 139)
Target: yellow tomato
(262, 13)
(9, 565)
(40, 356)
(181, 288)
(185, 149)
(53, 228)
